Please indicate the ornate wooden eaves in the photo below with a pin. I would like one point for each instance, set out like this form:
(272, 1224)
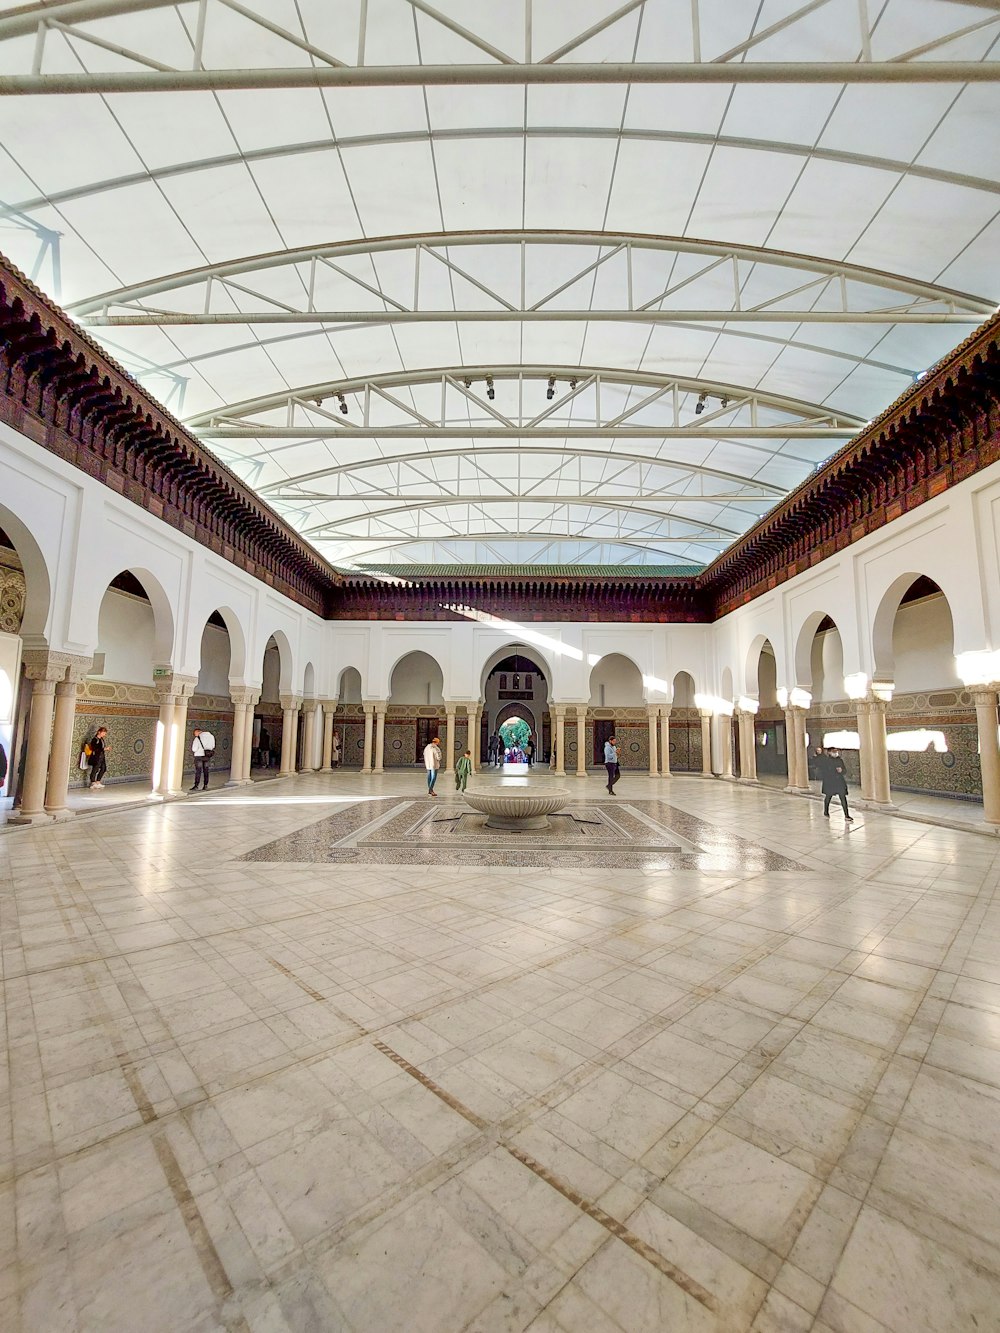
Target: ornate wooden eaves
(61, 390)
(943, 429)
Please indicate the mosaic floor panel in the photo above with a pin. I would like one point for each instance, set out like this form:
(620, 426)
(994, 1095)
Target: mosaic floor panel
(619, 835)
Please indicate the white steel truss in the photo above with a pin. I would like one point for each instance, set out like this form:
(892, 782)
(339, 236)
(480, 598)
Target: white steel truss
(454, 471)
(612, 520)
(545, 402)
(349, 143)
(718, 288)
(286, 58)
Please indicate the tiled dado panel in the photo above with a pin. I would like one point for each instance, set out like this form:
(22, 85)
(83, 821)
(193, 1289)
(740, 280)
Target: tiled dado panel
(130, 712)
(954, 773)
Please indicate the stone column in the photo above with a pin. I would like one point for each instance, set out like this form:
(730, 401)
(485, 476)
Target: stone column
(43, 696)
(329, 707)
(60, 757)
(475, 713)
(57, 781)
(290, 704)
(652, 713)
(449, 744)
(706, 743)
(380, 708)
(581, 740)
(244, 699)
(366, 760)
(881, 792)
(183, 689)
(726, 745)
(665, 742)
(989, 751)
(864, 750)
(309, 735)
(166, 736)
(795, 749)
(748, 748)
(560, 743)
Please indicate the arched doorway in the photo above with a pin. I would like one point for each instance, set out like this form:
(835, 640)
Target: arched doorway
(515, 684)
(769, 729)
(616, 691)
(415, 711)
(517, 726)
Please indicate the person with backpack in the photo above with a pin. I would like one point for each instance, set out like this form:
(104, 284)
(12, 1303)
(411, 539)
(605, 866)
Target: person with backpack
(96, 751)
(202, 747)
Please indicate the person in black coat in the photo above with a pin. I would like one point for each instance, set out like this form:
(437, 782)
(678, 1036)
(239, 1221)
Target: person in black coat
(834, 777)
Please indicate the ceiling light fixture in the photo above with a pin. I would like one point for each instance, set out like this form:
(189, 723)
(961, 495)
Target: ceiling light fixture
(699, 406)
(550, 392)
(343, 403)
(572, 384)
(490, 391)
(724, 401)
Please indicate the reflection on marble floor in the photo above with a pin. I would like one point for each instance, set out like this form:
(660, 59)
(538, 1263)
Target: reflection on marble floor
(300, 1095)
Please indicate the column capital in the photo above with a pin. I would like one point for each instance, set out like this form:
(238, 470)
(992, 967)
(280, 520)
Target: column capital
(985, 696)
(309, 705)
(580, 709)
(330, 706)
(290, 701)
(171, 686)
(451, 707)
(653, 710)
(244, 695)
(42, 665)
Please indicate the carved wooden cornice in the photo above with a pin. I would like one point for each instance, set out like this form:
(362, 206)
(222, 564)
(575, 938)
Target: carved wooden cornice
(59, 388)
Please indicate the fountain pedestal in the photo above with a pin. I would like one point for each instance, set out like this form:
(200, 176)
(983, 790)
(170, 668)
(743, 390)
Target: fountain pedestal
(518, 809)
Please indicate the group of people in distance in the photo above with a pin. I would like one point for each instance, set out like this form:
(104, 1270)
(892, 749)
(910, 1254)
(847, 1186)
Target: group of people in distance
(497, 753)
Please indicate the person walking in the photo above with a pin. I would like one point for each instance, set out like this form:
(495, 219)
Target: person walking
(335, 750)
(463, 770)
(202, 747)
(834, 777)
(432, 762)
(529, 750)
(611, 763)
(100, 748)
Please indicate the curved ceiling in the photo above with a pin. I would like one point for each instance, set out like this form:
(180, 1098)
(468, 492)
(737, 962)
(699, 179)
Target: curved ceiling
(595, 282)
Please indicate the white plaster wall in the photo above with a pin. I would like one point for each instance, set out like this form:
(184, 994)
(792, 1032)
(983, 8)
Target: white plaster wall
(126, 637)
(827, 666)
(416, 679)
(922, 646)
(616, 682)
(349, 691)
(213, 678)
(271, 671)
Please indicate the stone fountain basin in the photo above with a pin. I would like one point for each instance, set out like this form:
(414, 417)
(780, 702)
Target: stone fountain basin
(518, 810)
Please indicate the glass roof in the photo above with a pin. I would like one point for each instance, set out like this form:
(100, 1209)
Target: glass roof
(520, 284)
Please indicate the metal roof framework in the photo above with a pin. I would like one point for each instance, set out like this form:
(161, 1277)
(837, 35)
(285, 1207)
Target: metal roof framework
(831, 268)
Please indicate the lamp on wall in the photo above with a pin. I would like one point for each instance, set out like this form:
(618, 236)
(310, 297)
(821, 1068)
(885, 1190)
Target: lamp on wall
(516, 678)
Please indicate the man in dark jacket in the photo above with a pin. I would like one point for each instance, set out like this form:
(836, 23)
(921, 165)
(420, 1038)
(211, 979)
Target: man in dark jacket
(99, 748)
(833, 774)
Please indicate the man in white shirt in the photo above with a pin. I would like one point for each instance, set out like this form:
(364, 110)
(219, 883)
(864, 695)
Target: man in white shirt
(432, 762)
(202, 747)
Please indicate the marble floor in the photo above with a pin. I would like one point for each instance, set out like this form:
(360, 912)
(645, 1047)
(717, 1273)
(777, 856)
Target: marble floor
(749, 1080)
